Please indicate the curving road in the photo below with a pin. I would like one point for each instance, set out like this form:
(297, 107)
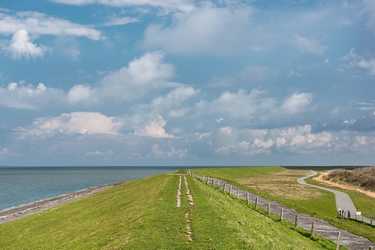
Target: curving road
(343, 201)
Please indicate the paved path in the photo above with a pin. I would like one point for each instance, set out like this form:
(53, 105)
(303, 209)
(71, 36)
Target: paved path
(343, 201)
(307, 222)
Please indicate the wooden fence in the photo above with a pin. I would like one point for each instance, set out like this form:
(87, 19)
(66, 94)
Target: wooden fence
(313, 225)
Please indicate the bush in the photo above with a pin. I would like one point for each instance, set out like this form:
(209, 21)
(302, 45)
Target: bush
(362, 177)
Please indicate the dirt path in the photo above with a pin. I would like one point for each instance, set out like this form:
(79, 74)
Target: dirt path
(307, 222)
(178, 195)
(343, 200)
(188, 214)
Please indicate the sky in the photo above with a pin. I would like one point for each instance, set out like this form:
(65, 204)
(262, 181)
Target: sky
(187, 82)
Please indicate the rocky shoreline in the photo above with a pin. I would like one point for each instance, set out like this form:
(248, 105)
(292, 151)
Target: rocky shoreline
(23, 210)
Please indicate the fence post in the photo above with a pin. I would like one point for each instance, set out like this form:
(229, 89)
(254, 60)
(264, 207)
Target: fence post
(247, 197)
(281, 214)
(269, 208)
(312, 229)
(256, 202)
(296, 220)
(338, 241)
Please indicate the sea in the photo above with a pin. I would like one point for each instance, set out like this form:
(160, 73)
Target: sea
(27, 184)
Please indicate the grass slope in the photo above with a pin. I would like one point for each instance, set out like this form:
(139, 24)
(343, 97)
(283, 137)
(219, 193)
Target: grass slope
(279, 184)
(143, 215)
(221, 222)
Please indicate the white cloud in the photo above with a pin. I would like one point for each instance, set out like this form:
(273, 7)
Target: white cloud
(26, 96)
(359, 62)
(21, 46)
(119, 21)
(258, 141)
(80, 94)
(207, 29)
(309, 45)
(84, 123)
(36, 23)
(240, 104)
(252, 107)
(297, 103)
(4, 151)
(154, 128)
(181, 5)
(171, 103)
(141, 76)
(167, 152)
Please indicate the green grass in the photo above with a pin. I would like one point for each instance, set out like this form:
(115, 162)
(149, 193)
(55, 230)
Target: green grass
(222, 222)
(321, 205)
(233, 174)
(142, 214)
(135, 215)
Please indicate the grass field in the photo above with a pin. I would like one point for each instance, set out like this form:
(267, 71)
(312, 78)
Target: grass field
(143, 215)
(280, 184)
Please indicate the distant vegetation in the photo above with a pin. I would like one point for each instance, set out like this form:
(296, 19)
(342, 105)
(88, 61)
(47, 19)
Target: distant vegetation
(361, 177)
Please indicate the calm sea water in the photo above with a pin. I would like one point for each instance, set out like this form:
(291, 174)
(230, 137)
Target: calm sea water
(23, 185)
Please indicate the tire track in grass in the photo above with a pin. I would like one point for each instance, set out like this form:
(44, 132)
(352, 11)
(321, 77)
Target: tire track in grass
(188, 214)
(178, 195)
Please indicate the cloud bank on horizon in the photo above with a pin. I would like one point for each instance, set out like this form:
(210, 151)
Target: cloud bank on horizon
(187, 82)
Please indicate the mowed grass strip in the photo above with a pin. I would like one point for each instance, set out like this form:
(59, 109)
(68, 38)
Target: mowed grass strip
(280, 184)
(221, 222)
(140, 214)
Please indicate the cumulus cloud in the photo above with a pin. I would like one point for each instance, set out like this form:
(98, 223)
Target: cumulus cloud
(168, 152)
(171, 103)
(36, 23)
(27, 96)
(4, 151)
(259, 141)
(181, 5)
(21, 46)
(297, 103)
(141, 76)
(80, 94)
(240, 104)
(359, 62)
(254, 107)
(208, 29)
(84, 123)
(309, 45)
(154, 128)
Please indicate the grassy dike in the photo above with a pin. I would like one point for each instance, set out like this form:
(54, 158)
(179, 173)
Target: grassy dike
(280, 184)
(142, 214)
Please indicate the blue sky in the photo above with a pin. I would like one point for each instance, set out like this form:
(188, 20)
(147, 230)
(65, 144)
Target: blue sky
(141, 82)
